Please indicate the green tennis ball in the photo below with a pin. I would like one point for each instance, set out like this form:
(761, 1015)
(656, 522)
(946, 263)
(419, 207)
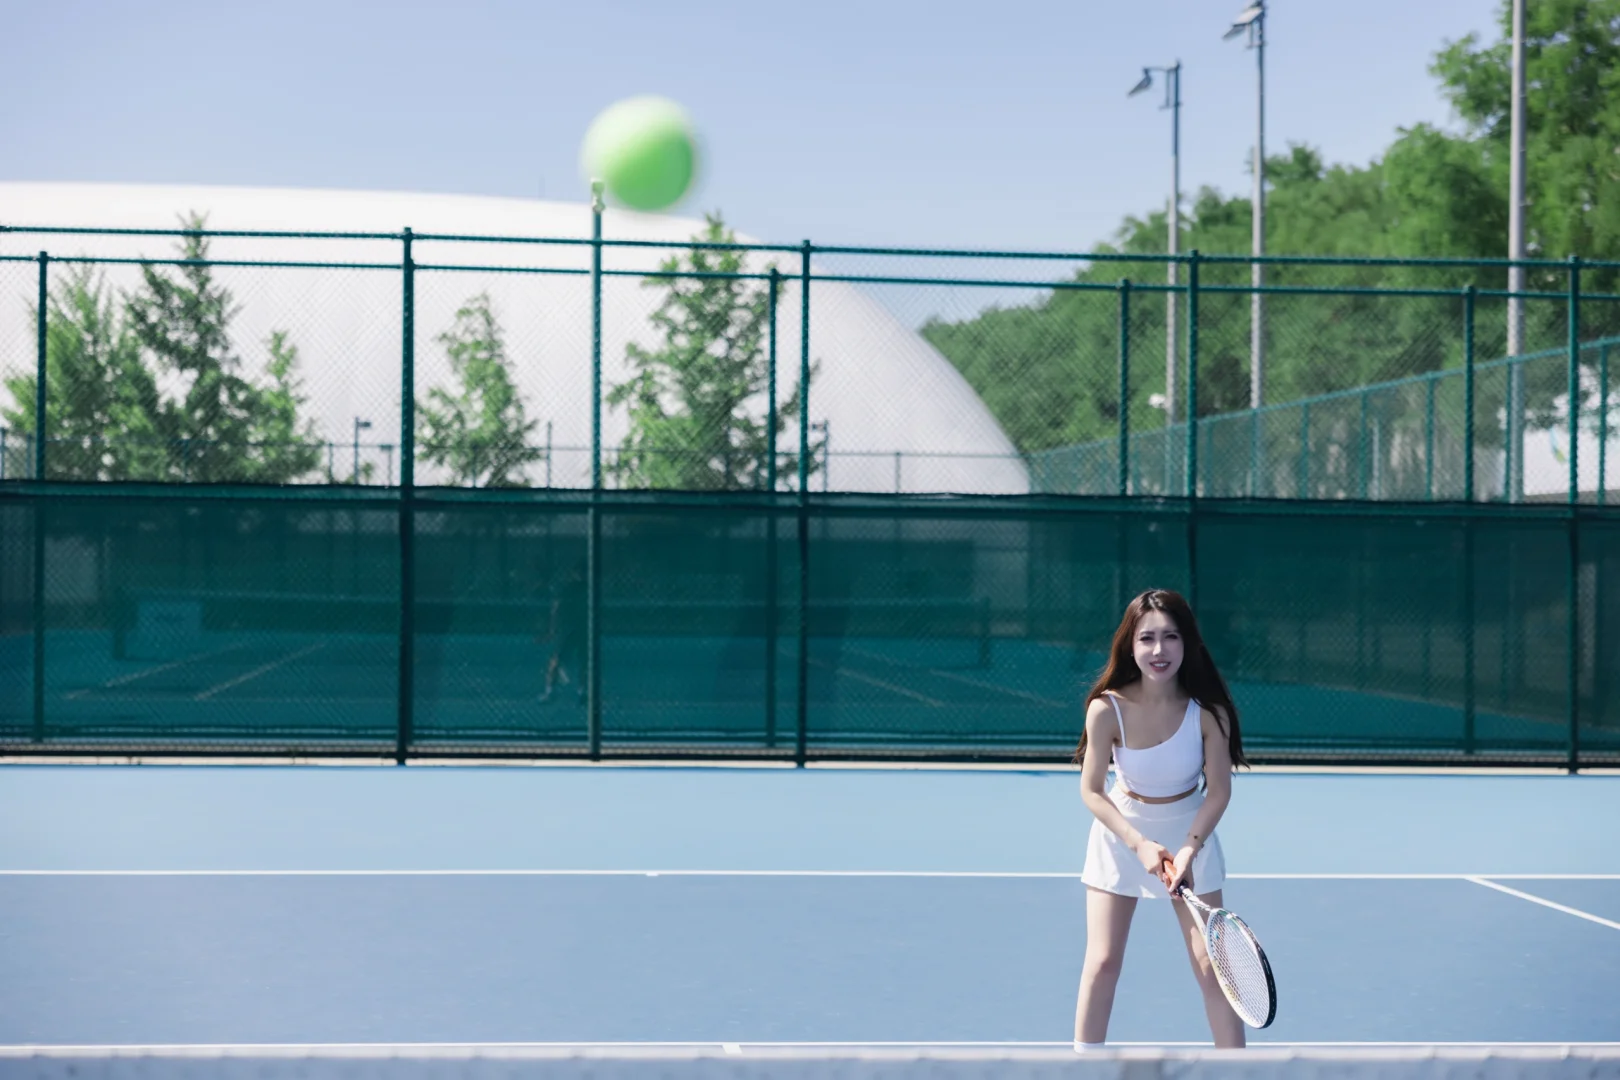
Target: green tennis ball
(643, 149)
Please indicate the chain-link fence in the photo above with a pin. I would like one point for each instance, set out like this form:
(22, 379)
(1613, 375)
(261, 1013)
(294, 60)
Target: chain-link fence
(206, 620)
(703, 365)
(1382, 394)
(444, 494)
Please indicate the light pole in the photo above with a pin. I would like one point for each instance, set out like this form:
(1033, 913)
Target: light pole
(1515, 304)
(1172, 101)
(359, 426)
(1252, 21)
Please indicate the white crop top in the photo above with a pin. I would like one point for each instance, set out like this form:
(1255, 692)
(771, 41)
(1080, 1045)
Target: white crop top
(1168, 768)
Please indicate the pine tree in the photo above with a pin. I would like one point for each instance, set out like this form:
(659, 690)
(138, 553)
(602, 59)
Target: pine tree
(283, 447)
(480, 433)
(101, 401)
(224, 427)
(694, 402)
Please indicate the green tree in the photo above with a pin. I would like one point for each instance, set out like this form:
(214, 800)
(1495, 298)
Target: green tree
(695, 402)
(284, 447)
(224, 426)
(1572, 184)
(480, 433)
(101, 401)
(1047, 371)
(1572, 119)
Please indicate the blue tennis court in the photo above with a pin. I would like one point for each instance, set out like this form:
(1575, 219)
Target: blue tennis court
(215, 906)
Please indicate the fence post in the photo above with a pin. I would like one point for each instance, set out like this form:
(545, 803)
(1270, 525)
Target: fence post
(1574, 377)
(1192, 373)
(593, 543)
(1124, 386)
(1468, 394)
(775, 286)
(1599, 610)
(1192, 427)
(40, 319)
(1603, 424)
(40, 502)
(1572, 671)
(40, 526)
(407, 504)
(802, 630)
(802, 704)
(771, 569)
(1468, 627)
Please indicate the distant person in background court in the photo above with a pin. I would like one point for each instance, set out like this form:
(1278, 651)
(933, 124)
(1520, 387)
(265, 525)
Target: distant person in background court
(566, 632)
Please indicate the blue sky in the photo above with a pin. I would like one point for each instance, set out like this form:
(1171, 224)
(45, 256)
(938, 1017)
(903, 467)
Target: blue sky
(876, 122)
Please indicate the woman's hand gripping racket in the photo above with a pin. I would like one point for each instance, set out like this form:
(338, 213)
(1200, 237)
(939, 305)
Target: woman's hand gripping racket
(1240, 963)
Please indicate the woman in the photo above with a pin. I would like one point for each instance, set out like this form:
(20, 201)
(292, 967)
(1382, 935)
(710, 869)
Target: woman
(1163, 712)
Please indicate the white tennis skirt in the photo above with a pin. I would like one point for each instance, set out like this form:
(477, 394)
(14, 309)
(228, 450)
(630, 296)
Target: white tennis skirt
(1113, 867)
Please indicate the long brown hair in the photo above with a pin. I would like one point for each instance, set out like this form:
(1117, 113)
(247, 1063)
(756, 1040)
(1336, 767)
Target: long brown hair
(1198, 677)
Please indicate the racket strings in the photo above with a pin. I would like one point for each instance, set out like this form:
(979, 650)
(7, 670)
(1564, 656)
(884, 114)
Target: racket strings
(1239, 967)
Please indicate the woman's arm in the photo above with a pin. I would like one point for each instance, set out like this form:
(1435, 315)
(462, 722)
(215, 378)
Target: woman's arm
(1102, 732)
(1218, 793)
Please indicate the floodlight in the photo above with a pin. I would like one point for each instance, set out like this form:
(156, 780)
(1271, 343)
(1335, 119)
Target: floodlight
(1242, 22)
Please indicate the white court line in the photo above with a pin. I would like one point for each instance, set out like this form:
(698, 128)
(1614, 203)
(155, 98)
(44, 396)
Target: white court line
(1009, 874)
(204, 695)
(980, 683)
(1331, 876)
(1565, 908)
(131, 677)
(858, 677)
(391, 1049)
(543, 873)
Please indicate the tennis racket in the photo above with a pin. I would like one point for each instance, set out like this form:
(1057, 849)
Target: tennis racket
(1240, 963)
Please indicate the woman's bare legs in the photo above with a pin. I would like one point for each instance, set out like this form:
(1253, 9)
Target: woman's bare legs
(1108, 923)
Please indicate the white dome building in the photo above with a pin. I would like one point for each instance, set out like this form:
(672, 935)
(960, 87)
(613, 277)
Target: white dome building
(894, 408)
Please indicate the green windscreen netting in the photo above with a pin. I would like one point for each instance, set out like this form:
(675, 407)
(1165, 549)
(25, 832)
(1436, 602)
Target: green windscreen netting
(227, 620)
